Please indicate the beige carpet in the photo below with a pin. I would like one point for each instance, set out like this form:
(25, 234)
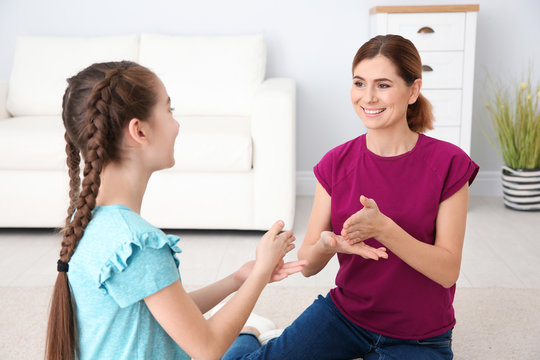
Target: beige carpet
(493, 323)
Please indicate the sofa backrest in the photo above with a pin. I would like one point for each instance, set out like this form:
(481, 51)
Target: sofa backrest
(207, 75)
(41, 66)
(203, 75)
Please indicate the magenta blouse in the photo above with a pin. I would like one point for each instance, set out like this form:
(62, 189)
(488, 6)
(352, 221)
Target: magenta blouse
(388, 296)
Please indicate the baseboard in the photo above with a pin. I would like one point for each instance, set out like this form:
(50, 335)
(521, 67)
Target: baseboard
(305, 183)
(487, 183)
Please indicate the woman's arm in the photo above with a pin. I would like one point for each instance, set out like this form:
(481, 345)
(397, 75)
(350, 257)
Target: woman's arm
(312, 249)
(321, 244)
(440, 262)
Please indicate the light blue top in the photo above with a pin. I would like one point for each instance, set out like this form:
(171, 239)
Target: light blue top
(120, 260)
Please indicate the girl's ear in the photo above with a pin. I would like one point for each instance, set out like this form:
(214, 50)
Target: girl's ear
(137, 131)
(415, 90)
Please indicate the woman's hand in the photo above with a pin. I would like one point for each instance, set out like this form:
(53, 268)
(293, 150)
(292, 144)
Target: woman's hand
(281, 271)
(365, 224)
(272, 248)
(337, 243)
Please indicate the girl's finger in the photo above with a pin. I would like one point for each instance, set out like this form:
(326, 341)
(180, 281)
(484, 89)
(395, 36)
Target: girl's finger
(285, 235)
(276, 228)
(289, 248)
(279, 265)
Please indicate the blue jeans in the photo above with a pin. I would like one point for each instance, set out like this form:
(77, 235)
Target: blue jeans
(322, 332)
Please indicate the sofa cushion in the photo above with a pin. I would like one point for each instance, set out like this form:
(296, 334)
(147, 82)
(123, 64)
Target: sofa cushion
(32, 143)
(204, 144)
(213, 143)
(207, 75)
(41, 66)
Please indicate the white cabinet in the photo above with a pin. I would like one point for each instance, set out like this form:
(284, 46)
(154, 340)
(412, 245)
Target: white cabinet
(445, 37)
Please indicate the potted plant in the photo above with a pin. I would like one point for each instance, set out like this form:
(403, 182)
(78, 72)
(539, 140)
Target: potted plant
(515, 116)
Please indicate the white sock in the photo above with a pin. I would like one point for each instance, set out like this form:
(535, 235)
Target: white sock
(258, 322)
(269, 335)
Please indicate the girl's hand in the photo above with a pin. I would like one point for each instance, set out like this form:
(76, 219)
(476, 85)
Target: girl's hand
(281, 271)
(337, 243)
(365, 224)
(272, 248)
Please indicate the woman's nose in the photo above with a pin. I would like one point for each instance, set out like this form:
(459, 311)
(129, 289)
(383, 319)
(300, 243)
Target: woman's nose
(371, 95)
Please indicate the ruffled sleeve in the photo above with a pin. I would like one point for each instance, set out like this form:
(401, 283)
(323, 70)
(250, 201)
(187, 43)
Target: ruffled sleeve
(140, 267)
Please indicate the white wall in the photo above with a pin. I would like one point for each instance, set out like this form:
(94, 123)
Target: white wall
(312, 41)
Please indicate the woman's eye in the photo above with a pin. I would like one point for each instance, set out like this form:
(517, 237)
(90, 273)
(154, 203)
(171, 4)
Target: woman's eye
(358, 83)
(171, 109)
(384, 86)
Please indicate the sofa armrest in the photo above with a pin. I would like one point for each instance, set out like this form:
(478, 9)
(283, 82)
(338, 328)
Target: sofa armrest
(273, 129)
(3, 99)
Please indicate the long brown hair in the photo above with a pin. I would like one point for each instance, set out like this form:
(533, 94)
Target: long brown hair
(98, 104)
(405, 57)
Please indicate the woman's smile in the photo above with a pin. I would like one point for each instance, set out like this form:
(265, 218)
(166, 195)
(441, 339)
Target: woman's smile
(371, 112)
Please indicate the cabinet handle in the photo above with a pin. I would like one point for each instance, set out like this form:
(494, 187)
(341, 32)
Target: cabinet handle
(427, 68)
(425, 30)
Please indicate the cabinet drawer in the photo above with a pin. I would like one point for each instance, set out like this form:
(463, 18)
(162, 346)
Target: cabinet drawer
(446, 106)
(446, 133)
(442, 70)
(430, 31)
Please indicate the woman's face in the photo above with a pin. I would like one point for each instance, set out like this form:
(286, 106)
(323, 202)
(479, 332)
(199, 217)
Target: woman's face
(379, 95)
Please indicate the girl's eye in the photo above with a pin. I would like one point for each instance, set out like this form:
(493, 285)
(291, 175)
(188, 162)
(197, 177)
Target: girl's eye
(171, 109)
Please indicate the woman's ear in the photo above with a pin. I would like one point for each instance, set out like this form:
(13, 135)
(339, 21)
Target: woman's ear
(137, 131)
(415, 90)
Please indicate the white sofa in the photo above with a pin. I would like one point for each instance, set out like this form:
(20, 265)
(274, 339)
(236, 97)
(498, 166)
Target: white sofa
(235, 153)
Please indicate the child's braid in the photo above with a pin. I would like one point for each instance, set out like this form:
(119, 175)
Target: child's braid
(96, 131)
(73, 162)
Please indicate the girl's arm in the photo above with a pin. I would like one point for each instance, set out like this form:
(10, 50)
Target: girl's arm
(182, 319)
(209, 296)
(439, 262)
(320, 243)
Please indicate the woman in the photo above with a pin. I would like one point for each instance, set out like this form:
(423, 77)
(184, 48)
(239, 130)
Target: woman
(392, 193)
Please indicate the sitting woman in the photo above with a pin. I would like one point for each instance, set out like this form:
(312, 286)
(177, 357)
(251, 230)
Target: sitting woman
(391, 193)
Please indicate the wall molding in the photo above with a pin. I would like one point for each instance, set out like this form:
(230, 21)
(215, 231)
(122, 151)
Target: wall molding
(487, 183)
(305, 183)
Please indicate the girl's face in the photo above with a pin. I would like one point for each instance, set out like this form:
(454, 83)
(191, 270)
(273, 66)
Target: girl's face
(380, 96)
(164, 129)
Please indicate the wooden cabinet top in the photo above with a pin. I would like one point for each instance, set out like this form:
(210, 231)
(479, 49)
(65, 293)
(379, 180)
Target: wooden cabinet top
(424, 8)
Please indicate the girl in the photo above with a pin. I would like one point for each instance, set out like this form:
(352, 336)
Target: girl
(392, 188)
(118, 294)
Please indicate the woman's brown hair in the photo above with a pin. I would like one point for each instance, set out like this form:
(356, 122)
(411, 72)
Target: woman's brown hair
(98, 104)
(406, 59)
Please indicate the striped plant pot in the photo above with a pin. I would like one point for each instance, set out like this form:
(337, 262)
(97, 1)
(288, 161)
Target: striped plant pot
(521, 188)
